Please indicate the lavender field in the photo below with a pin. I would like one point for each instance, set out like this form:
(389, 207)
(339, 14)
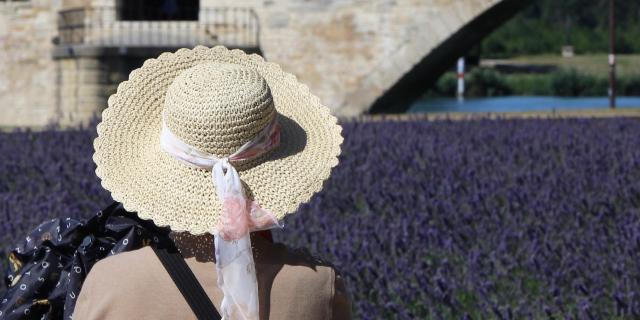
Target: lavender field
(471, 219)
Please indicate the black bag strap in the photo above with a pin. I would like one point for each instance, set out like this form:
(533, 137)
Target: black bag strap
(186, 281)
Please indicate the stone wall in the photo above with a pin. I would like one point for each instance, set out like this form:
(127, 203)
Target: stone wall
(349, 52)
(27, 72)
(84, 84)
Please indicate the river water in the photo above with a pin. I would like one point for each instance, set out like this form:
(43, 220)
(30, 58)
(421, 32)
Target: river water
(519, 104)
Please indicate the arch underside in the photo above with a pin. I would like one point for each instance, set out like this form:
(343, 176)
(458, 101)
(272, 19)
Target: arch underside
(411, 85)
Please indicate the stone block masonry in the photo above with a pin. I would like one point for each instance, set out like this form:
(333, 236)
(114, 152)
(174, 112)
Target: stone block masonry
(349, 52)
(27, 72)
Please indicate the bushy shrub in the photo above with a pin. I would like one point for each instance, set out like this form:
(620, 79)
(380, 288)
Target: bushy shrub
(572, 83)
(479, 82)
(481, 219)
(628, 86)
(485, 82)
(446, 86)
(534, 84)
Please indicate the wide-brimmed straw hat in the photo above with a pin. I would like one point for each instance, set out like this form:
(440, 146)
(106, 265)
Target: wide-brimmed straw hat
(216, 100)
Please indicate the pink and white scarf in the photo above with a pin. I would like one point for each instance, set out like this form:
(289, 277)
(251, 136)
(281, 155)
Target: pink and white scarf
(240, 215)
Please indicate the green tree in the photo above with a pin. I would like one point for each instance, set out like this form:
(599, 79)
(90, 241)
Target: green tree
(546, 25)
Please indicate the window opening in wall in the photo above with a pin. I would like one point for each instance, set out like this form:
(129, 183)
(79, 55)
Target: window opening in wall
(158, 10)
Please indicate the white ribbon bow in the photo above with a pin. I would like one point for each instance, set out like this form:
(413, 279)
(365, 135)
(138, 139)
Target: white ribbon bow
(234, 259)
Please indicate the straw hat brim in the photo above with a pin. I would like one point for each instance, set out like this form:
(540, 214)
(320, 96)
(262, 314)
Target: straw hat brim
(146, 180)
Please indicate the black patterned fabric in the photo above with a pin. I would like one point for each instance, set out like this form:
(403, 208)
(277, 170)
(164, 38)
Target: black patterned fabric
(47, 269)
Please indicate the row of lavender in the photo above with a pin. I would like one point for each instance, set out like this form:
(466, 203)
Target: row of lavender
(484, 218)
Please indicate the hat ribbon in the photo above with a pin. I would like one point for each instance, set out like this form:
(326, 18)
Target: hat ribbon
(234, 259)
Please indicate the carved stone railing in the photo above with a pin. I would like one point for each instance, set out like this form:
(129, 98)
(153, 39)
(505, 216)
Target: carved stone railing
(100, 26)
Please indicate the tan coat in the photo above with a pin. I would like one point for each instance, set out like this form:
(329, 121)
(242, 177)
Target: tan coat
(135, 285)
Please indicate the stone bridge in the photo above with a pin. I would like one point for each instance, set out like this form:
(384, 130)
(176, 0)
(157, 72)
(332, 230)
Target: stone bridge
(60, 60)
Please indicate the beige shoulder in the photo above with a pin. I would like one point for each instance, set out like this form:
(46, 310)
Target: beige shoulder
(298, 265)
(128, 257)
(125, 265)
(112, 277)
(116, 272)
(325, 272)
(313, 284)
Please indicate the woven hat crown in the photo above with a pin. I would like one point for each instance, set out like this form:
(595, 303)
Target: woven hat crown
(217, 107)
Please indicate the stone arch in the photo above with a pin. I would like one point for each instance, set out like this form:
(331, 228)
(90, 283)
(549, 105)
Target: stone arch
(402, 77)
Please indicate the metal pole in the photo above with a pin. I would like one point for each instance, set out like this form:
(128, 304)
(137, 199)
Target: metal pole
(460, 68)
(612, 54)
